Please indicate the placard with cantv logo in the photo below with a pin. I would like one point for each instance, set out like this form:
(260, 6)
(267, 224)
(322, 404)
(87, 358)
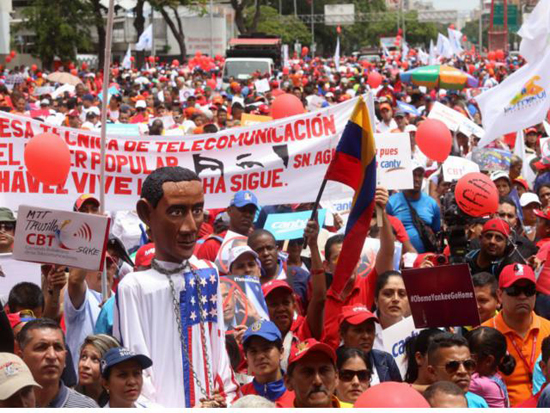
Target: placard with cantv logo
(291, 225)
(51, 236)
(442, 296)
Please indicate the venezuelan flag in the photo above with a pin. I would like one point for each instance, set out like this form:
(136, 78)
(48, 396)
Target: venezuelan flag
(354, 164)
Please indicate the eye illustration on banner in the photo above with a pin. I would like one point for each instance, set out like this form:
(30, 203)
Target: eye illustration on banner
(69, 239)
(247, 163)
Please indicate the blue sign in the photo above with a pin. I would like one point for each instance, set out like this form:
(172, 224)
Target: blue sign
(407, 108)
(112, 91)
(291, 225)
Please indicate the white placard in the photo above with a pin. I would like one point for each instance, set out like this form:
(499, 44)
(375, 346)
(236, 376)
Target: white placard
(262, 85)
(13, 272)
(61, 237)
(394, 341)
(455, 168)
(455, 121)
(394, 163)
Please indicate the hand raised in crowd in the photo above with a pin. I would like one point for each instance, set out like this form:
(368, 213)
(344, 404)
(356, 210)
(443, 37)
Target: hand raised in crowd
(56, 278)
(427, 261)
(381, 197)
(239, 332)
(216, 401)
(311, 232)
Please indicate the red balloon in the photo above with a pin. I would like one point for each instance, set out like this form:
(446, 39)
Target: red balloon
(464, 38)
(286, 105)
(211, 83)
(305, 51)
(491, 55)
(499, 54)
(157, 58)
(71, 65)
(43, 151)
(476, 194)
(451, 26)
(34, 68)
(198, 53)
(391, 394)
(374, 80)
(132, 58)
(400, 32)
(84, 66)
(8, 59)
(152, 59)
(286, 70)
(74, 72)
(175, 62)
(12, 54)
(471, 69)
(434, 139)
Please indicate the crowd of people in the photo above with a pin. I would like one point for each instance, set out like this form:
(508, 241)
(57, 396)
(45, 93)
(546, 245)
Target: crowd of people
(159, 337)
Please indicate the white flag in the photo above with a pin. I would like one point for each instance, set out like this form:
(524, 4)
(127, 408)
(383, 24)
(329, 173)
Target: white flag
(404, 51)
(385, 50)
(443, 46)
(286, 59)
(423, 56)
(535, 32)
(519, 150)
(433, 54)
(455, 39)
(546, 127)
(127, 62)
(337, 54)
(145, 41)
(520, 101)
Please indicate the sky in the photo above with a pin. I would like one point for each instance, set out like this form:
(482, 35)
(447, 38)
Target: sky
(455, 4)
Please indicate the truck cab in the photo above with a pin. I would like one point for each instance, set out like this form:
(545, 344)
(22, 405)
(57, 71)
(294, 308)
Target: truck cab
(247, 55)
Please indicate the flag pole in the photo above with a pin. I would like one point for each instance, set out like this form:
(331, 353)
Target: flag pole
(316, 206)
(106, 68)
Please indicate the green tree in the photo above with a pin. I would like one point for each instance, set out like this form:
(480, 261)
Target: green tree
(240, 7)
(289, 28)
(61, 28)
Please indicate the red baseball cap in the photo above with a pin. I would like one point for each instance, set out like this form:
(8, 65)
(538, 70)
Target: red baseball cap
(544, 214)
(83, 198)
(497, 225)
(515, 272)
(356, 314)
(145, 255)
(531, 130)
(385, 106)
(300, 350)
(267, 288)
(522, 182)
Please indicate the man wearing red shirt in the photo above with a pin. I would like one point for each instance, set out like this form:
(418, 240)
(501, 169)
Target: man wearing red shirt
(358, 290)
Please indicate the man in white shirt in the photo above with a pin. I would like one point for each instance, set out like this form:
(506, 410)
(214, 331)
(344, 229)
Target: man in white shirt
(388, 123)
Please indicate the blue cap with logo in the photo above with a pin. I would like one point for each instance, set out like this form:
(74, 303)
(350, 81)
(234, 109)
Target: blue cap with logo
(118, 355)
(243, 198)
(264, 329)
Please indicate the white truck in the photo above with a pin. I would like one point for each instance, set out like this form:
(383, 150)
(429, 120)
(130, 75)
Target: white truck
(247, 55)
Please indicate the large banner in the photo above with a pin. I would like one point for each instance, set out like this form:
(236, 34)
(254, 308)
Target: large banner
(278, 160)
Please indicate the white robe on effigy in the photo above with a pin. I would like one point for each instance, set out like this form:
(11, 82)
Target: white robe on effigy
(145, 322)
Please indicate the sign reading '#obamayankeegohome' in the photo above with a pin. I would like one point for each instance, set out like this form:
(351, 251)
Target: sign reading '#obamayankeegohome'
(277, 160)
(441, 296)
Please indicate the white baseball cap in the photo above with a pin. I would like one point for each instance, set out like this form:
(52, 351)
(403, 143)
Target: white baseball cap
(416, 165)
(410, 128)
(236, 252)
(529, 198)
(141, 104)
(500, 174)
(94, 110)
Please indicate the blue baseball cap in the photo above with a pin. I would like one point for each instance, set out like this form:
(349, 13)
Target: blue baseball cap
(264, 329)
(243, 198)
(118, 355)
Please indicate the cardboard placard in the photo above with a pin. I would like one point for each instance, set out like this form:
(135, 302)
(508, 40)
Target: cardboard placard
(248, 119)
(243, 301)
(455, 168)
(123, 129)
(393, 160)
(51, 236)
(455, 120)
(291, 225)
(262, 86)
(395, 338)
(232, 239)
(13, 272)
(442, 296)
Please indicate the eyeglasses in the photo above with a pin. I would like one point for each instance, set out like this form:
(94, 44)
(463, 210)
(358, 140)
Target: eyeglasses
(348, 375)
(515, 290)
(7, 226)
(452, 367)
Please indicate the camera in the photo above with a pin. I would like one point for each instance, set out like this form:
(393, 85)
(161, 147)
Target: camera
(455, 221)
(439, 259)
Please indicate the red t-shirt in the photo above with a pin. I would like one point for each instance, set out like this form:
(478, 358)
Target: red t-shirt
(543, 282)
(287, 399)
(399, 228)
(300, 328)
(362, 293)
(209, 248)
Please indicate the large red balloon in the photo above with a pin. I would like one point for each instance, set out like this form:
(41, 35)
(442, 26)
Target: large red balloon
(434, 139)
(84, 66)
(476, 194)
(491, 55)
(499, 54)
(374, 80)
(391, 394)
(175, 62)
(305, 51)
(48, 159)
(286, 105)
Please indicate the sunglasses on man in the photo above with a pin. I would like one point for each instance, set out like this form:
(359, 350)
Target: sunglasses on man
(515, 290)
(7, 226)
(347, 375)
(451, 367)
